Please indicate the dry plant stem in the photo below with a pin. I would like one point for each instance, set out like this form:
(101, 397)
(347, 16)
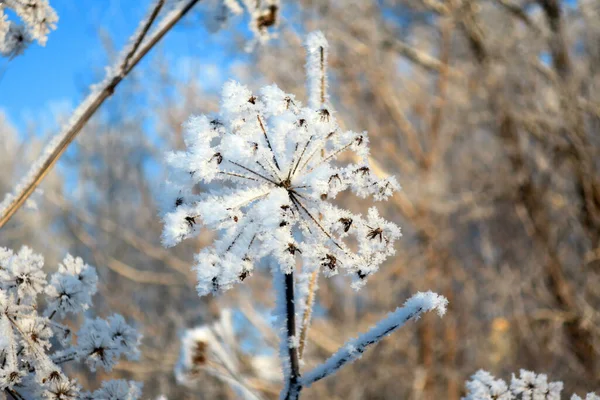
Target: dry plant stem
(90, 105)
(310, 298)
(293, 386)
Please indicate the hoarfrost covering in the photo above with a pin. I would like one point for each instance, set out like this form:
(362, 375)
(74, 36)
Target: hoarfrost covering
(527, 386)
(353, 349)
(272, 167)
(29, 365)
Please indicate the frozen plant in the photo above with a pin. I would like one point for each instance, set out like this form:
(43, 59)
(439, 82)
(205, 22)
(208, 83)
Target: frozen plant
(528, 386)
(38, 20)
(264, 16)
(262, 174)
(271, 164)
(30, 365)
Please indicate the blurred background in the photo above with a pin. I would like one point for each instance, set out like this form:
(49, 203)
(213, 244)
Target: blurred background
(487, 112)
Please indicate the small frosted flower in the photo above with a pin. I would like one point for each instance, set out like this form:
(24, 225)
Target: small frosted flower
(124, 336)
(117, 390)
(15, 40)
(86, 274)
(27, 364)
(270, 168)
(72, 287)
(590, 396)
(38, 20)
(554, 390)
(525, 385)
(65, 294)
(483, 386)
(38, 333)
(23, 275)
(10, 376)
(100, 343)
(61, 389)
(95, 346)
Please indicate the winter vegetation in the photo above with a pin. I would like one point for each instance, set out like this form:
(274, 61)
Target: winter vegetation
(241, 207)
(30, 365)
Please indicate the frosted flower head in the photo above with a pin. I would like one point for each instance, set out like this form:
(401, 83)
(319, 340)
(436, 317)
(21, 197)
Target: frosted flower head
(86, 274)
(483, 386)
(100, 343)
(15, 40)
(61, 389)
(269, 169)
(528, 386)
(21, 274)
(72, 287)
(589, 396)
(124, 336)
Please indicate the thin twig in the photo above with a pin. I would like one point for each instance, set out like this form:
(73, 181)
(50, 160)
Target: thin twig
(57, 146)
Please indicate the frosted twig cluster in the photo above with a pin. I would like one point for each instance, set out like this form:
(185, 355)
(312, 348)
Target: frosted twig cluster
(30, 366)
(527, 386)
(262, 174)
(38, 20)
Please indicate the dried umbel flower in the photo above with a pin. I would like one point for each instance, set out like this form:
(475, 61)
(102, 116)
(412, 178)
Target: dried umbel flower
(272, 167)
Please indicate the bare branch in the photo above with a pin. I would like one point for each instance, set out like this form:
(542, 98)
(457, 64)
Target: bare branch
(351, 351)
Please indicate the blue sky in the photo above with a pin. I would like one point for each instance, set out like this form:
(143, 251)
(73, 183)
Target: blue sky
(50, 80)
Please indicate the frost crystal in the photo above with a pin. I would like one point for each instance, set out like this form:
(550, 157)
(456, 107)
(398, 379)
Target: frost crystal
(28, 362)
(268, 168)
